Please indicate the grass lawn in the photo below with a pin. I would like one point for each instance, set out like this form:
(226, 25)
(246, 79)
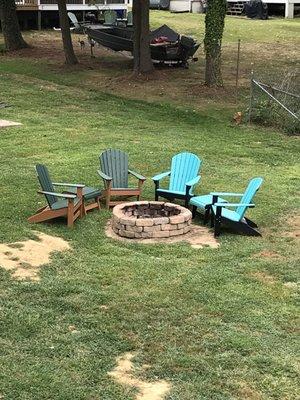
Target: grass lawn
(215, 323)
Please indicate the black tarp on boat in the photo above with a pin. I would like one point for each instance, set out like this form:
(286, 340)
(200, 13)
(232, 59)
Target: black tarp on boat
(256, 9)
(166, 45)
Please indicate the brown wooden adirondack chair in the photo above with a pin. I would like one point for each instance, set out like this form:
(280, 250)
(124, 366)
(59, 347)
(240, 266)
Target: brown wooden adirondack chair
(59, 204)
(114, 171)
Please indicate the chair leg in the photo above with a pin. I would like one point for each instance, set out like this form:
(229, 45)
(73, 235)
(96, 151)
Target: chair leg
(194, 211)
(212, 220)
(156, 196)
(70, 215)
(107, 199)
(250, 223)
(98, 202)
(218, 220)
(206, 214)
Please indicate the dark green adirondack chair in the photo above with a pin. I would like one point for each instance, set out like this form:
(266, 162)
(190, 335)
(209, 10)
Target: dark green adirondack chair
(59, 204)
(114, 171)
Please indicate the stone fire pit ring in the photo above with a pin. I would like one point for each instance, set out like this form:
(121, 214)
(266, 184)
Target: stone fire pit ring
(150, 219)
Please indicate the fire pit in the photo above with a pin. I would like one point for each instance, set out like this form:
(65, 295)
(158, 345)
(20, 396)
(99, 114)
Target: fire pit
(150, 219)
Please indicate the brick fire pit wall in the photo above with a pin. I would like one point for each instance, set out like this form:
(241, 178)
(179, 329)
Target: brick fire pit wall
(150, 219)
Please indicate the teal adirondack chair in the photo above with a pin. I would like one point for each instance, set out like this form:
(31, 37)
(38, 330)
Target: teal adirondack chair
(222, 212)
(183, 177)
(59, 204)
(110, 17)
(114, 171)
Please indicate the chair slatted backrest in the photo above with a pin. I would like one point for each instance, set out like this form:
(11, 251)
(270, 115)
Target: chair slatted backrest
(45, 182)
(250, 192)
(74, 19)
(114, 163)
(184, 167)
(110, 17)
(129, 18)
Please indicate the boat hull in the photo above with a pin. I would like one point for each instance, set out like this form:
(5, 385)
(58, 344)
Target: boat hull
(121, 39)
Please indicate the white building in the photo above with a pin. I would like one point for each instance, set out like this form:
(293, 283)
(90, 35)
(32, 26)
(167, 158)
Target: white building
(39, 10)
(196, 5)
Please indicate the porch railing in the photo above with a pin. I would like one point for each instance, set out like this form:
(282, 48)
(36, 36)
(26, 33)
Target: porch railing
(30, 3)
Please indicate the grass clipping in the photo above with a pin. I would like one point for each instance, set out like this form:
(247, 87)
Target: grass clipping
(146, 390)
(23, 259)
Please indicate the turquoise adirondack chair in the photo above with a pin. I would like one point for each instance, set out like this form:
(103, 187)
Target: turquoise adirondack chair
(222, 212)
(183, 177)
(59, 204)
(110, 17)
(114, 171)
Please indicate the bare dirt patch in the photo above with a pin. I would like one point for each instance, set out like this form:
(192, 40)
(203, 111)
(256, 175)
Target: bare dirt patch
(23, 259)
(268, 254)
(123, 373)
(198, 237)
(294, 224)
(263, 277)
(5, 124)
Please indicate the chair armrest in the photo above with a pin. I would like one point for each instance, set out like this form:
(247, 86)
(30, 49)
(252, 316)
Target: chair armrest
(161, 176)
(77, 185)
(104, 176)
(234, 205)
(63, 195)
(193, 181)
(138, 176)
(227, 194)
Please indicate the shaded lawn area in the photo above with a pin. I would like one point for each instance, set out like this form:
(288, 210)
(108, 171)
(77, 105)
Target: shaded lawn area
(217, 324)
(270, 48)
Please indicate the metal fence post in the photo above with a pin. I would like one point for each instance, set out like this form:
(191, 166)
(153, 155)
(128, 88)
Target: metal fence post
(237, 69)
(251, 97)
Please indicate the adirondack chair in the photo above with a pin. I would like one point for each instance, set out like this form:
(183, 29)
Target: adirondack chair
(129, 18)
(183, 177)
(91, 198)
(110, 17)
(59, 204)
(114, 171)
(221, 211)
(78, 26)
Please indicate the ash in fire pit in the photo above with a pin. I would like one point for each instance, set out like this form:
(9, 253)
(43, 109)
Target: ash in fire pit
(150, 219)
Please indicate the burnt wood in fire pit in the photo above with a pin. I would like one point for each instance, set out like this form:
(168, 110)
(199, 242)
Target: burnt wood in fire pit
(150, 219)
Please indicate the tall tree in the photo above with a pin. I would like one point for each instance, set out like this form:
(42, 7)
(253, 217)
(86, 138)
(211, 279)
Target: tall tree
(214, 27)
(141, 42)
(66, 33)
(10, 26)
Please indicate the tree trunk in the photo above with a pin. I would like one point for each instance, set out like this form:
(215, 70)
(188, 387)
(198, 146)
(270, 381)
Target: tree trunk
(66, 33)
(141, 45)
(214, 27)
(10, 26)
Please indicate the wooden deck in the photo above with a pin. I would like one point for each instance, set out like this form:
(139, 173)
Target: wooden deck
(34, 5)
(29, 5)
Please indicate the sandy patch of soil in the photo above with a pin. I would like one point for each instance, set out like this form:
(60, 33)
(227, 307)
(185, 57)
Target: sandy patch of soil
(268, 254)
(5, 124)
(292, 285)
(263, 277)
(247, 392)
(294, 223)
(23, 259)
(123, 374)
(198, 237)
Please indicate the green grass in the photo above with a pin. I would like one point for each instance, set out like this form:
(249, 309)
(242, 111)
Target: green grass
(200, 318)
